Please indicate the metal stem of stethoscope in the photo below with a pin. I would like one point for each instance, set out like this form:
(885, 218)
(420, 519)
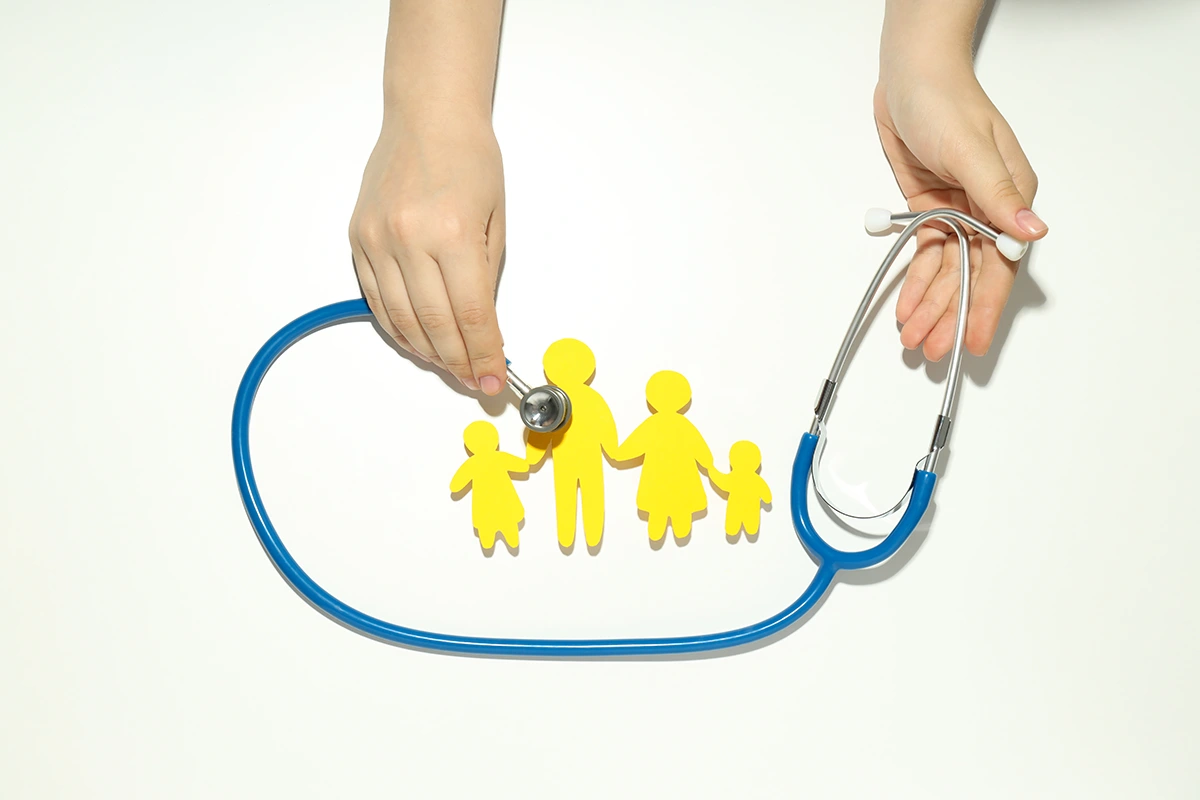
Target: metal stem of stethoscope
(880, 221)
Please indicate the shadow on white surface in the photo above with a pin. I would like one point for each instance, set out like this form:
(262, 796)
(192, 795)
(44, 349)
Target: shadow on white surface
(985, 16)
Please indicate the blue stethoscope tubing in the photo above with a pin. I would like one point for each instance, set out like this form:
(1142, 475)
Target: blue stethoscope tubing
(829, 559)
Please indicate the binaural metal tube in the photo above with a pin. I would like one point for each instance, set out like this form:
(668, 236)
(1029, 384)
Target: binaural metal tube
(946, 215)
(955, 220)
(839, 363)
(960, 324)
(941, 433)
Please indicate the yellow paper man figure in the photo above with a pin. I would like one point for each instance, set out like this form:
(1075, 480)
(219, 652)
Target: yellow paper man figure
(746, 488)
(495, 507)
(670, 487)
(577, 448)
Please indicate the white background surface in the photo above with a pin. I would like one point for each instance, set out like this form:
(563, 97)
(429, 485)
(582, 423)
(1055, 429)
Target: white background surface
(177, 180)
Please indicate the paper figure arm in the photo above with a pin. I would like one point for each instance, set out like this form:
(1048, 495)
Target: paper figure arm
(632, 447)
(608, 433)
(515, 463)
(718, 478)
(462, 477)
(535, 448)
(703, 455)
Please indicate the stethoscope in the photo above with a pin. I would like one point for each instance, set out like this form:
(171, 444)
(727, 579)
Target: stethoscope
(548, 408)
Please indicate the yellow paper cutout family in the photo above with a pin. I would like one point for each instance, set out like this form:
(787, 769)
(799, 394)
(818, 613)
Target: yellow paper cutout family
(670, 489)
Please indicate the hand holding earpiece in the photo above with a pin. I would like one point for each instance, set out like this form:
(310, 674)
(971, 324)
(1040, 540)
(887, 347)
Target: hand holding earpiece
(949, 147)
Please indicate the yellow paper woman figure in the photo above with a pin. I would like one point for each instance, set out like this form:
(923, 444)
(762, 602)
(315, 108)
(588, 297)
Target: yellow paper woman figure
(495, 507)
(746, 489)
(670, 487)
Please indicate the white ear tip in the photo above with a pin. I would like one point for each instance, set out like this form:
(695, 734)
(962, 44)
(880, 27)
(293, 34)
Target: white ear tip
(878, 220)
(1010, 248)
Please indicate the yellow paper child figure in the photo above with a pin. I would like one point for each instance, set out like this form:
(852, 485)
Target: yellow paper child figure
(495, 507)
(577, 448)
(670, 487)
(746, 489)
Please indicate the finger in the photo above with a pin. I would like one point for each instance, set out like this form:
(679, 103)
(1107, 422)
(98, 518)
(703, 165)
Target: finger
(470, 285)
(496, 232)
(949, 197)
(1018, 165)
(940, 340)
(936, 301)
(370, 291)
(988, 298)
(398, 307)
(921, 271)
(431, 307)
(982, 172)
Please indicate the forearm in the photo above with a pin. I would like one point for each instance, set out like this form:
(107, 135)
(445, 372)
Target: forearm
(441, 59)
(937, 30)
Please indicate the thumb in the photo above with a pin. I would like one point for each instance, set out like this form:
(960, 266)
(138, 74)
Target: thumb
(988, 182)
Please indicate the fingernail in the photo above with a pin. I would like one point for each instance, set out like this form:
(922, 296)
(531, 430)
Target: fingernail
(1030, 223)
(490, 384)
(470, 384)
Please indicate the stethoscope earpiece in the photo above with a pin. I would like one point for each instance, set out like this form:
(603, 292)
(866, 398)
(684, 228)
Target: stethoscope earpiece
(880, 221)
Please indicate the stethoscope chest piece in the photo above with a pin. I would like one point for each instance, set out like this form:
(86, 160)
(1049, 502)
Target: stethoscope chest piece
(543, 409)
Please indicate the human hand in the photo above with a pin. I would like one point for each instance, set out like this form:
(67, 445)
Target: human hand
(948, 146)
(427, 235)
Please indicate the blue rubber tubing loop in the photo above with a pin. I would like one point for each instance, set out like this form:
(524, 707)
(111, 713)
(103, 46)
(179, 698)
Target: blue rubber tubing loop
(828, 556)
(829, 560)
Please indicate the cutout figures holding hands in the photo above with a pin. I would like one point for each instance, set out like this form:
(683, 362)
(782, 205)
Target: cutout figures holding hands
(673, 452)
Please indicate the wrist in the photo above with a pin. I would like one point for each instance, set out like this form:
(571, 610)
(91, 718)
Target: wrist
(911, 59)
(436, 93)
(440, 64)
(904, 70)
(928, 36)
(442, 113)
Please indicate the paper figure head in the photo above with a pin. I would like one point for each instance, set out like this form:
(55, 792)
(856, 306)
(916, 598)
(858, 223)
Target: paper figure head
(481, 437)
(668, 391)
(569, 361)
(745, 457)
